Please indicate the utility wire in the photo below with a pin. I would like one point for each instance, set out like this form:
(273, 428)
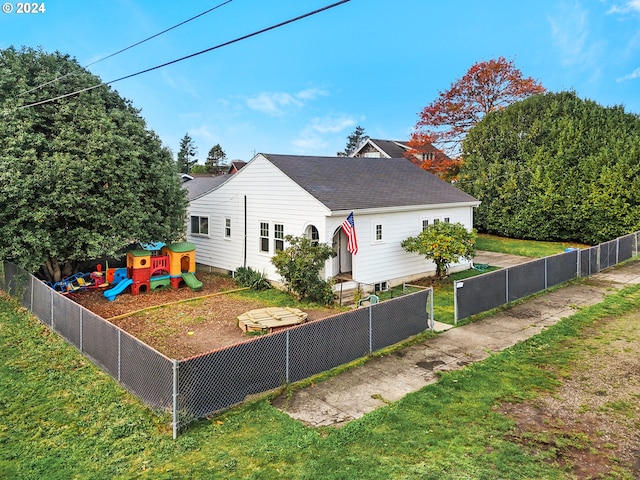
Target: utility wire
(129, 47)
(244, 37)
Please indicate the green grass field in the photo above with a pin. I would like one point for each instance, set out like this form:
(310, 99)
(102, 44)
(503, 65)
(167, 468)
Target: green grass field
(63, 418)
(526, 248)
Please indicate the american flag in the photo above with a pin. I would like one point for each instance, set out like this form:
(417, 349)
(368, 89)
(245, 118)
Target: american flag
(349, 228)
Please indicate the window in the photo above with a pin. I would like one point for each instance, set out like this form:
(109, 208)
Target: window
(381, 287)
(227, 228)
(199, 225)
(378, 234)
(278, 237)
(312, 234)
(264, 237)
(447, 220)
(425, 224)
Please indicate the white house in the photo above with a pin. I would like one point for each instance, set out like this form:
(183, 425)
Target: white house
(242, 219)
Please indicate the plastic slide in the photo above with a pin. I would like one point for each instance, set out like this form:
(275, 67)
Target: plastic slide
(191, 281)
(117, 290)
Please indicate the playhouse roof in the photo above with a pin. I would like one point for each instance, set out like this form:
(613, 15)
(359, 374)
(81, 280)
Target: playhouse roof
(181, 247)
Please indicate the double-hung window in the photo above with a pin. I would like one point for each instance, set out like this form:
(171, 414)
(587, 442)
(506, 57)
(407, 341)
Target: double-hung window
(278, 237)
(227, 228)
(264, 237)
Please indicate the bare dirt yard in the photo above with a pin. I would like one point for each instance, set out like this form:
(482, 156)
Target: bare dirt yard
(201, 321)
(591, 424)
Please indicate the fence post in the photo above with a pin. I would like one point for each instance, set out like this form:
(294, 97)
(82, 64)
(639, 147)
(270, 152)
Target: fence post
(432, 324)
(81, 329)
(286, 357)
(175, 399)
(119, 352)
(370, 328)
(455, 302)
(31, 296)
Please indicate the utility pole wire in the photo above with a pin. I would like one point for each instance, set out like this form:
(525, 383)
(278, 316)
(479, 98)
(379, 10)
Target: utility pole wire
(286, 22)
(127, 48)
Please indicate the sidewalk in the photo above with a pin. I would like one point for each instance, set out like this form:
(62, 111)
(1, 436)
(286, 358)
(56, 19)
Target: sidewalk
(381, 380)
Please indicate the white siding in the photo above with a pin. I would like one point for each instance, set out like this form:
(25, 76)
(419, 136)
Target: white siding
(273, 198)
(386, 260)
(270, 197)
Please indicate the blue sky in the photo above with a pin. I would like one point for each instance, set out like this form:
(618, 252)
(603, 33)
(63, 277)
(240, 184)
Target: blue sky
(303, 88)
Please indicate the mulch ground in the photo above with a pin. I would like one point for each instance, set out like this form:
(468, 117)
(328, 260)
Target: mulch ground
(186, 329)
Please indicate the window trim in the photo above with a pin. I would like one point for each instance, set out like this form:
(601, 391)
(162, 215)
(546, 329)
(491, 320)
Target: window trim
(200, 218)
(376, 230)
(262, 238)
(278, 237)
(227, 228)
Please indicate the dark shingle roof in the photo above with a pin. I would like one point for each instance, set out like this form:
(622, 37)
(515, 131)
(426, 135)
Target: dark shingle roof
(390, 147)
(200, 185)
(352, 183)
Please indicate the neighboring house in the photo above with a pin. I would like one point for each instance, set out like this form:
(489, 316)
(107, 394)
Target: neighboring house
(242, 221)
(374, 148)
(234, 166)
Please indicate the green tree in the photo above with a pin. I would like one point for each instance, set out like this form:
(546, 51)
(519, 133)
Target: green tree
(215, 159)
(299, 265)
(187, 154)
(555, 167)
(444, 243)
(357, 138)
(81, 177)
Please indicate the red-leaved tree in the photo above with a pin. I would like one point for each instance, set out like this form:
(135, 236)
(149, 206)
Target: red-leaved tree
(487, 86)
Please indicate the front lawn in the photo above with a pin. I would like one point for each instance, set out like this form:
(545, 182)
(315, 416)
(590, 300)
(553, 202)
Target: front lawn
(63, 418)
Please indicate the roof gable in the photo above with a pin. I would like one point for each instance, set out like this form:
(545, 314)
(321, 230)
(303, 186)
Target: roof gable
(386, 148)
(348, 183)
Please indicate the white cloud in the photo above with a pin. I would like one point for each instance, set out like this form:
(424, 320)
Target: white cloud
(631, 6)
(181, 83)
(633, 75)
(274, 104)
(279, 103)
(314, 139)
(332, 124)
(570, 32)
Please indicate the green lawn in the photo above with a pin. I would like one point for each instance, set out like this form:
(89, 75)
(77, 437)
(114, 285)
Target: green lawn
(526, 248)
(63, 418)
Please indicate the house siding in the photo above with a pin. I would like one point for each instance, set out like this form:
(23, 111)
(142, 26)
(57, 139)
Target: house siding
(386, 260)
(271, 197)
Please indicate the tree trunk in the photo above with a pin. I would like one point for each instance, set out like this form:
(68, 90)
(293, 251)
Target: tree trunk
(51, 270)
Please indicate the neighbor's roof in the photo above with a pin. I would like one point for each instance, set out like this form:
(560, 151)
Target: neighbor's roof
(394, 149)
(353, 183)
(201, 185)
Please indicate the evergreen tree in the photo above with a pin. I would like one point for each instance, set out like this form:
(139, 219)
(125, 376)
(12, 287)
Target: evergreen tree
(555, 167)
(357, 138)
(187, 154)
(215, 159)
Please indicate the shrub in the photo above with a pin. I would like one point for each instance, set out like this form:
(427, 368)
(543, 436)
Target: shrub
(248, 277)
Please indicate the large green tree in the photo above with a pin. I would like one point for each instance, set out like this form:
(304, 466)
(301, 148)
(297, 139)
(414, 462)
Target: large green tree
(444, 244)
(81, 177)
(555, 167)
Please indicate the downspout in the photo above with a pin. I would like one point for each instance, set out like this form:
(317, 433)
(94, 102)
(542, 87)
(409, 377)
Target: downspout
(244, 263)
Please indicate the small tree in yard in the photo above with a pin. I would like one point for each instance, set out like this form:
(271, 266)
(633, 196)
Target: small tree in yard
(444, 243)
(299, 265)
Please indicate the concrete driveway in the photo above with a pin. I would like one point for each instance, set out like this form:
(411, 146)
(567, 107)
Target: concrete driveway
(503, 260)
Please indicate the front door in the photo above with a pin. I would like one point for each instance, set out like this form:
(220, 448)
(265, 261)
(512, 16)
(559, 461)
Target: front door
(342, 260)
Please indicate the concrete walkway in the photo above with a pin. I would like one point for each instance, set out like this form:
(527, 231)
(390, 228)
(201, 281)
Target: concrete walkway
(381, 380)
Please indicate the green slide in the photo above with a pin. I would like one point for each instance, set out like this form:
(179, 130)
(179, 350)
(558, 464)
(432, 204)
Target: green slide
(191, 281)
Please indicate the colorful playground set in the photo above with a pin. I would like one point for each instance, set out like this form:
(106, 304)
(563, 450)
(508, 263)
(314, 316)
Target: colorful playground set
(153, 266)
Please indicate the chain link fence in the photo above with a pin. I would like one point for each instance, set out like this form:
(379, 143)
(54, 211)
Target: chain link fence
(199, 386)
(494, 289)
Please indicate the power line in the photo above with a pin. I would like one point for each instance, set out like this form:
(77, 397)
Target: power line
(128, 48)
(244, 37)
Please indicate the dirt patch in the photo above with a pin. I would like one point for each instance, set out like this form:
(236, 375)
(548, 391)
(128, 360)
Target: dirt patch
(185, 329)
(590, 425)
